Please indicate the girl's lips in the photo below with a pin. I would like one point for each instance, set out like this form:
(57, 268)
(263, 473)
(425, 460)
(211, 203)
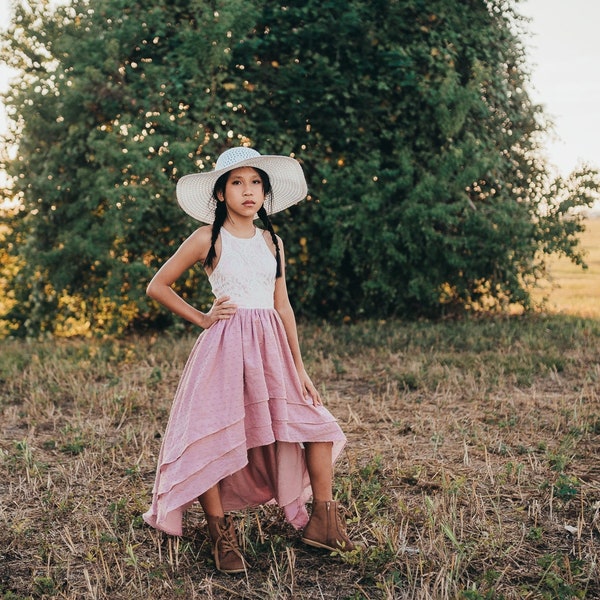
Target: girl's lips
(249, 203)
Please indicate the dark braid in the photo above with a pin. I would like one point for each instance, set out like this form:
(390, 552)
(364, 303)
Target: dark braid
(264, 217)
(220, 216)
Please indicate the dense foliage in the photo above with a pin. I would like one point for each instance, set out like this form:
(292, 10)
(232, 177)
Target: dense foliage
(116, 100)
(421, 144)
(411, 119)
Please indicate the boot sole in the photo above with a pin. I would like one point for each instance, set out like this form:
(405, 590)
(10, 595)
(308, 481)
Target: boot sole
(322, 546)
(232, 571)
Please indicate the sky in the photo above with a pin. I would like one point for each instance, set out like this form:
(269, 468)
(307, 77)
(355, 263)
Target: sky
(564, 61)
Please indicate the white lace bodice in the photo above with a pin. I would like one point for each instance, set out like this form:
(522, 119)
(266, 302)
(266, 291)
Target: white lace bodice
(245, 271)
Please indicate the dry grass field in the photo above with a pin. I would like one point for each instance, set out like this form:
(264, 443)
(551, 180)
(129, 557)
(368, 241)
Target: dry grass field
(573, 290)
(472, 469)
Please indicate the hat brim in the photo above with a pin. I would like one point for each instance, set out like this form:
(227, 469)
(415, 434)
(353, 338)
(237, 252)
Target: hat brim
(288, 186)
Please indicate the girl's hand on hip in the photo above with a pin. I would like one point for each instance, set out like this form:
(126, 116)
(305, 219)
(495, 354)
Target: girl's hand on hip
(221, 310)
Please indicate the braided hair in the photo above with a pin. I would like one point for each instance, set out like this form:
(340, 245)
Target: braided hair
(221, 215)
(264, 217)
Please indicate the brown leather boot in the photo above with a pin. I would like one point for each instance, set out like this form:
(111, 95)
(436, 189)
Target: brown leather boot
(327, 528)
(226, 551)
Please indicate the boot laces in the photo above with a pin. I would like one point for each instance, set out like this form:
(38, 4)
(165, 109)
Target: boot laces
(341, 518)
(344, 543)
(228, 541)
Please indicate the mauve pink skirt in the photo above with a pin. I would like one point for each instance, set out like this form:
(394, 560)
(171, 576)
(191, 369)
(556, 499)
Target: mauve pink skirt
(239, 418)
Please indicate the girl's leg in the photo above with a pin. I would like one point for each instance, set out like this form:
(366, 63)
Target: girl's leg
(320, 469)
(211, 502)
(326, 528)
(225, 548)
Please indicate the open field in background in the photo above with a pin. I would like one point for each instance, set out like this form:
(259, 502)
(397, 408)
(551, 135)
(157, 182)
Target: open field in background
(471, 471)
(573, 290)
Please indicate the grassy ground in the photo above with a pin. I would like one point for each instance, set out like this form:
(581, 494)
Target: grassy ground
(471, 470)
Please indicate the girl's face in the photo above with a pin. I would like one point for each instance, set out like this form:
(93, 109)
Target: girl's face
(244, 193)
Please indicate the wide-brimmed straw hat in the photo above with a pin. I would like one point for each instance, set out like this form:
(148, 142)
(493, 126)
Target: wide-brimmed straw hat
(288, 185)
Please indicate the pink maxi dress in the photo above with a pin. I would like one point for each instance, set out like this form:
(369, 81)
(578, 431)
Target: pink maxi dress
(239, 417)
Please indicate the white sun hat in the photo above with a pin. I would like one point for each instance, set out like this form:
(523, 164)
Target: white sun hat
(288, 185)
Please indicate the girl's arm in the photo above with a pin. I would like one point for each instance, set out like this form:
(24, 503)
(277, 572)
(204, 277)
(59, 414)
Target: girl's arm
(191, 251)
(286, 312)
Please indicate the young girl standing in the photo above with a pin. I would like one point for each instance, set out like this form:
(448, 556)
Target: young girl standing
(247, 425)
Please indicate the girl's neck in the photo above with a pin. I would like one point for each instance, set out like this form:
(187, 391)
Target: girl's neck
(241, 228)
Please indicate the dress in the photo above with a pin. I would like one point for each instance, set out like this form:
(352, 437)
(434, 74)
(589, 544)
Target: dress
(239, 416)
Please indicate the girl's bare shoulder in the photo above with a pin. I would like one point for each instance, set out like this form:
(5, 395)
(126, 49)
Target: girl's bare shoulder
(198, 242)
(202, 234)
(269, 239)
(270, 244)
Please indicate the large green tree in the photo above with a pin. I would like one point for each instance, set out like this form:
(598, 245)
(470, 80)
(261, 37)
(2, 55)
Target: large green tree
(421, 144)
(411, 118)
(116, 100)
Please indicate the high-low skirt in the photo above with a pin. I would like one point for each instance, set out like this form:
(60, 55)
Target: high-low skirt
(239, 419)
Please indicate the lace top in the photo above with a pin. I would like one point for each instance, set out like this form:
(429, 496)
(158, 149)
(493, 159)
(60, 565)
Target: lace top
(245, 271)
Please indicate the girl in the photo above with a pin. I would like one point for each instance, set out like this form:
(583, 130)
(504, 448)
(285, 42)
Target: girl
(247, 425)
